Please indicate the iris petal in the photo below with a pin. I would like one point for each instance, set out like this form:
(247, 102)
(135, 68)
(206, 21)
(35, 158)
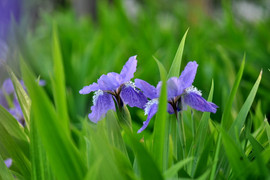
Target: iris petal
(103, 102)
(129, 69)
(148, 90)
(188, 75)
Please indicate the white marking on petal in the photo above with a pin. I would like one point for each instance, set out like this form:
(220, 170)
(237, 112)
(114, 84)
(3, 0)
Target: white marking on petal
(96, 95)
(194, 90)
(149, 104)
(130, 84)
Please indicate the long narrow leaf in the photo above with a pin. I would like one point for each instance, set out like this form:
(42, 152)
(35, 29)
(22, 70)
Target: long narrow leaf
(176, 64)
(160, 121)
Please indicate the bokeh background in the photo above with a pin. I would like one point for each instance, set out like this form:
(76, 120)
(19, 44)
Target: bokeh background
(98, 36)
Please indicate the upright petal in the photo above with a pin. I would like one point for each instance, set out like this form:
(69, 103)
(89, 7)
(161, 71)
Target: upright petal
(132, 96)
(188, 75)
(174, 87)
(197, 102)
(102, 102)
(90, 88)
(148, 90)
(8, 86)
(8, 162)
(110, 82)
(129, 69)
(150, 109)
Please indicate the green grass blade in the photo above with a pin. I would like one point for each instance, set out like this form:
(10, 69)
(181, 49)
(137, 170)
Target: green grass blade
(236, 157)
(240, 120)
(160, 121)
(176, 64)
(18, 149)
(147, 166)
(258, 149)
(176, 167)
(59, 90)
(5, 173)
(62, 154)
(23, 98)
(202, 131)
(39, 162)
(226, 121)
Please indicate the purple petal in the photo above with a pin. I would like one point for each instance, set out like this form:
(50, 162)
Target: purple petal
(8, 162)
(8, 86)
(110, 82)
(90, 88)
(133, 97)
(103, 102)
(3, 100)
(3, 51)
(188, 75)
(42, 82)
(148, 90)
(199, 103)
(151, 111)
(174, 87)
(129, 69)
(158, 88)
(170, 109)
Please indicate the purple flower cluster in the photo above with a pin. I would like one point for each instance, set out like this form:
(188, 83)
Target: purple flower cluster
(118, 88)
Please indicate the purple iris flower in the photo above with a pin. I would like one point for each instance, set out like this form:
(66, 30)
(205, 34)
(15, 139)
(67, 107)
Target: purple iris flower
(8, 162)
(180, 94)
(115, 87)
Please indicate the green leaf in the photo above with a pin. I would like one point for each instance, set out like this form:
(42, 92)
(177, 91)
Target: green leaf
(58, 82)
(40, 166)
(176, 64)
(148, 167)
(226, 120)
(202, 131)
(241, 117)
(63, 156)
(160, 121)
(5, 173)
(24, 100)
(236, 157)
(176, 167)
(258, 148)
(18, 149)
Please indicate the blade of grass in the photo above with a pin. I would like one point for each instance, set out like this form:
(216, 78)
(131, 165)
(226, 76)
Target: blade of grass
(23, 98)
(148, 167)
(226, 121)
(59, 90)
(176, 64)
(160, 121)
(63, 156)
(241, 117)
(5, 173)
(176, 167)
(202, 132)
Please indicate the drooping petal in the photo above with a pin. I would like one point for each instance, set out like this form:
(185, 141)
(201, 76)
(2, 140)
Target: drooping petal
(188, 75)
(8, 86)
(132, 96)
(109, 82)
(148, 90)
(129, 69)
(90, 88)
(150, 109)
(197, 102)
(8, 162)
(102, 102)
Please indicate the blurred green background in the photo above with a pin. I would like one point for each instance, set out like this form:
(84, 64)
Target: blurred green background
(97, 37)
